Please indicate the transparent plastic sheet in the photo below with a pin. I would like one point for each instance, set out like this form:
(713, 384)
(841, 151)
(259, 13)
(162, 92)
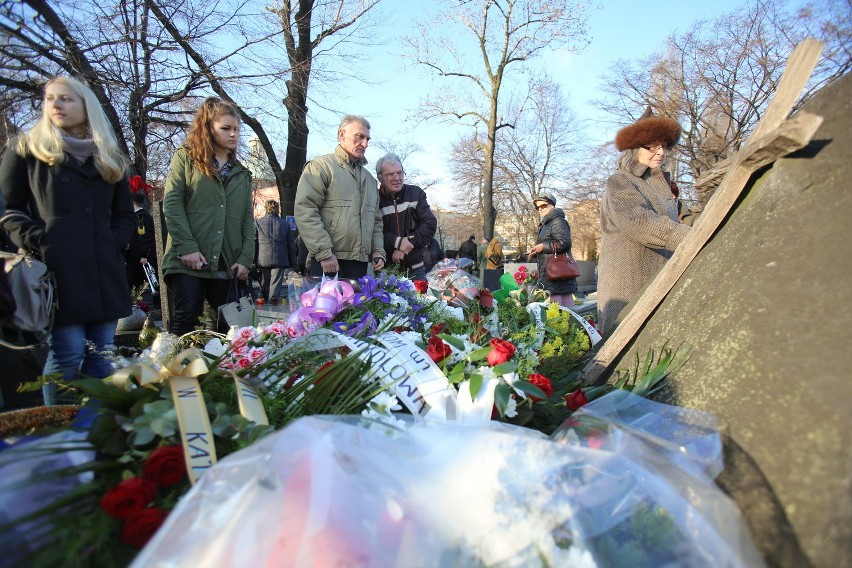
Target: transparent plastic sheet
(20, 463)
(335, 492)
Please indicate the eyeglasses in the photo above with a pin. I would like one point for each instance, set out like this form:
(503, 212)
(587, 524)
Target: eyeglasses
(657, 147)
(542, 206)
(391, 175)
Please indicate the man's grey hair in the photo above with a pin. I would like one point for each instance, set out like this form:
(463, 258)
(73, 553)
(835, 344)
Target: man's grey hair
(350, 118)
(389, 157)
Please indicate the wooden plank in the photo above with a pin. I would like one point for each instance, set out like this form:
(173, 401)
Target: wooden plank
(800, 65)
(788, 137)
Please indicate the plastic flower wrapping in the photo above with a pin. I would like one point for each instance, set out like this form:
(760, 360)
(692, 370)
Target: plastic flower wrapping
(628, 482)
(224, 450)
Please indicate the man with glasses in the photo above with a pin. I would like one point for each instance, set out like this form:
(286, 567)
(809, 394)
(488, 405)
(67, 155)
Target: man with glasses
(337, 207)
(409, 223)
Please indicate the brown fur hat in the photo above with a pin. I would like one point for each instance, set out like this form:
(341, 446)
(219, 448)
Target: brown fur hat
(649, 129)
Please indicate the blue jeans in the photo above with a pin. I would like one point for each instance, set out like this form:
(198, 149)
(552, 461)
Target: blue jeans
(78, 350)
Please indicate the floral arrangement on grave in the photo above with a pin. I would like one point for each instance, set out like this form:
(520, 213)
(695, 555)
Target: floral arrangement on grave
(338, 353)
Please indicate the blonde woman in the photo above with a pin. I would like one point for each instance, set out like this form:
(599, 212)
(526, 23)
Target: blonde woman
(208, 211)
(69, 202)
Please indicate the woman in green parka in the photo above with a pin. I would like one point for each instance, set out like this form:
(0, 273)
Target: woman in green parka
(208, 212)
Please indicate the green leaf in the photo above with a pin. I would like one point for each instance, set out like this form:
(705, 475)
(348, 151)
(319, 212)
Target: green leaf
(475, 385)
(530, 389)
(457, 374)
(505, 368)
(480, 354)
(454, 341)
(502, 394)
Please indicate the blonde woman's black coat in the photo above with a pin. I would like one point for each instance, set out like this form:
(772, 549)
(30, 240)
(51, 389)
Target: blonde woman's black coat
(79, 224)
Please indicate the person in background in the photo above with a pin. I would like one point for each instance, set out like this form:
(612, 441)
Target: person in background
(208, 209)
(433, 254)
(554, 236)
(494, 254)
(337, 207)
(408, 221)
(480, 255)
(68, 200)
(142, 248)
(301, 255)
(468, 249)
(640, 228)
(275, 250)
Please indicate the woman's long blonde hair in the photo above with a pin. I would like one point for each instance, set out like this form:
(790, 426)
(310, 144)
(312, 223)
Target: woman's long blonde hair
(199, 139)
(44, 140)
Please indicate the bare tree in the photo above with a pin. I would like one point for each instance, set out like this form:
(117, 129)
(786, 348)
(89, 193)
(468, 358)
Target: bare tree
(717, 77)
(502, 34)
(311, 29)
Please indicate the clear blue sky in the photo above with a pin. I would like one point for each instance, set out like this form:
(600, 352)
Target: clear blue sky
(620, 29)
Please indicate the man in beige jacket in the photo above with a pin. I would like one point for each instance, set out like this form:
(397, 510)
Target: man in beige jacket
(337, 207)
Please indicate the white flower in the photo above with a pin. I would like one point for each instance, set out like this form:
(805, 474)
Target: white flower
(384, 403)
(511, 408)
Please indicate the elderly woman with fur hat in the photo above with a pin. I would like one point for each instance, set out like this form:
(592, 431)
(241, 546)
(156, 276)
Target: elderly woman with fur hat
(554, 236)
(639, 217)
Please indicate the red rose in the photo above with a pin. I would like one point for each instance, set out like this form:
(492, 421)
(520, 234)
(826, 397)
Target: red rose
(128, 497)
(436, 329)
(575, 400)
(486, 298)
(543, 383)
(139, 528)
(165, 466)
(421, 286)
(437, 350)
(502, 351)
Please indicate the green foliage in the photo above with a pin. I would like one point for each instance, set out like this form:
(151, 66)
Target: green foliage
(646, 377)
(648, 537)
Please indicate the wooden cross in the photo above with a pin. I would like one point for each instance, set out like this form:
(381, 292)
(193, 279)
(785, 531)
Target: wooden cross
(775, 136)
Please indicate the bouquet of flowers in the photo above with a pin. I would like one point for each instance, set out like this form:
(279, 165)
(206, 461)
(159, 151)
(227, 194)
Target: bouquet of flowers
(365, 349)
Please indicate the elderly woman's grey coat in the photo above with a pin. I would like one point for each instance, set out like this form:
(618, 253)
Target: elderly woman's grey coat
(639, 233)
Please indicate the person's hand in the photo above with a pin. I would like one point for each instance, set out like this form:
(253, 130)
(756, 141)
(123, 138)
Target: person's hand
(406, 245)
(378, 262)
(537, 249)
(240, 271)
(397, 257)
(193, 260)
(330, 265)
(143, 261)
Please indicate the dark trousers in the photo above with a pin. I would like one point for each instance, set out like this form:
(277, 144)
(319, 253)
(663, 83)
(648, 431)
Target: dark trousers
(188, 295)
(349, 269)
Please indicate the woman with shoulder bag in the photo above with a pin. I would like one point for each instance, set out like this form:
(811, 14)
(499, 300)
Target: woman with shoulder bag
(208, 211)
(554, 236)
(68, 179)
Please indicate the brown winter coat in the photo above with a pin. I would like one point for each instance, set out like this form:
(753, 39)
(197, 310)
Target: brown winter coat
(639, 233)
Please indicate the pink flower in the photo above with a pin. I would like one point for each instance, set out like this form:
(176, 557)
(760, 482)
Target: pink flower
(276, 328)
(246, 333)
(256, 354)
(244, 363)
